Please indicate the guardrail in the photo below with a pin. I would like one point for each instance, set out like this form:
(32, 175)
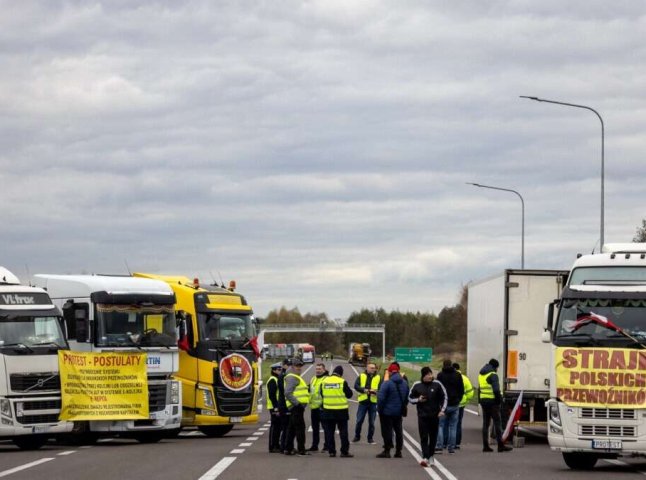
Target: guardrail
(321, 326)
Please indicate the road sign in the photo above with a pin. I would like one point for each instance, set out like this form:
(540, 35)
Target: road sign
(405, 354)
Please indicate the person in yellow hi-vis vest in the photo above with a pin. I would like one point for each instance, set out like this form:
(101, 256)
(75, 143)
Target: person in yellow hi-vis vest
(490, 398)
(315, 406)
(366, 386)
(469, 391)
(297, 397)
(335, 393)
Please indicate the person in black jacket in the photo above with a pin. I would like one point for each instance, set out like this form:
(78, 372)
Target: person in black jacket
(430, 397)
(273, 404)
(282, 404)
(452, 381)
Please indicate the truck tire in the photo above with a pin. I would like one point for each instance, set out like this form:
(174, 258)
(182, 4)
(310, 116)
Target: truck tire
(150, 437)
(580, 460)
(215, 431)
(30, 442)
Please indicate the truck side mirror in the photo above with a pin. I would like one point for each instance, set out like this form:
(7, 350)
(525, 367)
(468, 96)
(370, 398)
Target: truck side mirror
(549, 321)
(82, 322)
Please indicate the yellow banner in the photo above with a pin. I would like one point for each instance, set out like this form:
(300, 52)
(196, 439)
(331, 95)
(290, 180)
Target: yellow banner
(601, 377)
(103, 386)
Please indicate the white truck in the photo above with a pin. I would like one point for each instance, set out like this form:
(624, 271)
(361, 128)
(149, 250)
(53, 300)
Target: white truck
(30, 337)
(120, 313)
(597, 331)
(505, 319)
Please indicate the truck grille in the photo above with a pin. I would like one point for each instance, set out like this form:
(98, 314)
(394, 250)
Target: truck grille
(607, 431)
(38, 405)
(235, 404)
(606, 413)
(35, 382)
(156, 397)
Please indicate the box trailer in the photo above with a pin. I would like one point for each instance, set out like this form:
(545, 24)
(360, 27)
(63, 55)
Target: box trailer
(505, 321)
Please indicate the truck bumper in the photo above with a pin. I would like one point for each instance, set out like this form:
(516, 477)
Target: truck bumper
(206, 420)
(31, 415)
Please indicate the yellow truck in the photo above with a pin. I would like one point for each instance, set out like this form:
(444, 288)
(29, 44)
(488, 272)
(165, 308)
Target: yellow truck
(218, 362)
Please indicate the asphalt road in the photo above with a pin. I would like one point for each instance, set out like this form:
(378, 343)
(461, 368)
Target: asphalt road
(242, 454)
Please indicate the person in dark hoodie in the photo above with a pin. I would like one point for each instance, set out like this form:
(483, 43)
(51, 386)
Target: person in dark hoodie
(273, 405)
(335, 393)
(490, 399)
(392, 397)
(452, 381)
(430, 397)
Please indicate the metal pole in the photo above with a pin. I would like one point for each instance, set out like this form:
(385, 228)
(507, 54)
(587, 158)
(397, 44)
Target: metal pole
(383, 346)
(522, 203)
(603, 160)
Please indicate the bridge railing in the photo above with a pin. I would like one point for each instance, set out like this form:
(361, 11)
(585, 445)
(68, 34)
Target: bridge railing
(320, 326)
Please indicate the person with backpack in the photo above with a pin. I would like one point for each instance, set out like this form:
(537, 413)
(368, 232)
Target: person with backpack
(392, 403)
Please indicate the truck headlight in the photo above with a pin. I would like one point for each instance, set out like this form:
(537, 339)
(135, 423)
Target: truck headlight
(5, 407)
(208, 398)
(20, 410)
(555, 416)
(174, 392)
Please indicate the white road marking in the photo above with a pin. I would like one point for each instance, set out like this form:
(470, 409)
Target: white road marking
(4, 473)
(218, 468)
(104, 440)
(237, 451)
(262, 429)
(67, 452)
(86, 446)
(192, 433)
(622, 464)
(440, 467)
(245, 444)
(472, 412)
(418, 459)
(355, 370)
(252, 439)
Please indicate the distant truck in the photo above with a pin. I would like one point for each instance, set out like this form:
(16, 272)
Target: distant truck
(280, 350)
(30, 337)
(505, 320)
(359, 354)
(306, 353)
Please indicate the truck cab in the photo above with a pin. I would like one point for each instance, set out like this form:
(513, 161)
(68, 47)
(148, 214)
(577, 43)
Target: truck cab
(597, 406)
(105, 313)
(30, 337)
(218, 364)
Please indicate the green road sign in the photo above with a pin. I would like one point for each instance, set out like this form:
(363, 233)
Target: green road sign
(405, 354)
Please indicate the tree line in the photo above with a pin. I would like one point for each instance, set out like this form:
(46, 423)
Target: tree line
(445, 332)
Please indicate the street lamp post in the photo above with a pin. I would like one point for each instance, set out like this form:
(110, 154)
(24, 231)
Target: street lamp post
(536, 99)
(522, 203)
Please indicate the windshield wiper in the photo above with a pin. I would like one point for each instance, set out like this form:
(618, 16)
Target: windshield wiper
(21, 345)
(580, 339)
(48, 343)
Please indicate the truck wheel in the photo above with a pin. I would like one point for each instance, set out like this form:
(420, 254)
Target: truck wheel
(215, 431)
(579, 460)
(149, 437)
(30, 442)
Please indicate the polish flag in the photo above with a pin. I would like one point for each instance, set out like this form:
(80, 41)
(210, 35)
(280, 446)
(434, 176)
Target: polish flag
(586, 318)
(514, 417)
(253, 343)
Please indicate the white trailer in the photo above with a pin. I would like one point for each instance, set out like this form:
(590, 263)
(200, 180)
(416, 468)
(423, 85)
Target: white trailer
(30, 337)
(111, 314)
(505, 321)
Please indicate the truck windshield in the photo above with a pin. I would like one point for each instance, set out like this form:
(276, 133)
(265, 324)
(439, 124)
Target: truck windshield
(607, 275)
(128, 325)
(27, 332)
(216, 326)
(591, 321)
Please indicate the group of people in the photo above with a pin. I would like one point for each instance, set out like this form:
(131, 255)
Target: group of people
(439, 402)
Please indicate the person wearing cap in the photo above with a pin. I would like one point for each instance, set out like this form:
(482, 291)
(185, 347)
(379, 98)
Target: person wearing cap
(392, 399)
(430, 397)
(490, 399)
(335, 393)
(297, 398)
(466, 398)
(315, 406)
(273, 407)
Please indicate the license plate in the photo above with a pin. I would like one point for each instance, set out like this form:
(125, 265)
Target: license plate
(40, 429)
(235, 419)
(606, 444)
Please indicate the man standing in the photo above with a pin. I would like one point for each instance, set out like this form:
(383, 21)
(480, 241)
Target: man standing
(392, 397)
(490, 400)
(335, 393)
(367, 385)
(296, 397)
(452, 382)
(466, 398)
(315, 406)
(282, 405)
(430, 397)
(273, 406)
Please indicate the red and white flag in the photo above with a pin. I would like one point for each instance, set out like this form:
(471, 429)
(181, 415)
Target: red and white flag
(586, 318)
(514, 417)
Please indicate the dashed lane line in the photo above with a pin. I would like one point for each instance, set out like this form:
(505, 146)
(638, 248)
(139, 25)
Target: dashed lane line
(237, 451)
(472, 412)
(622, 464)
(218, 468)
(439, 466)
(252, 439)
(434, 475)
(67, 452)
(19, 468)
(245, 444)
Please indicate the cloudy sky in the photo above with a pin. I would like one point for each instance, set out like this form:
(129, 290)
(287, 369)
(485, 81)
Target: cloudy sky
(317, 151)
